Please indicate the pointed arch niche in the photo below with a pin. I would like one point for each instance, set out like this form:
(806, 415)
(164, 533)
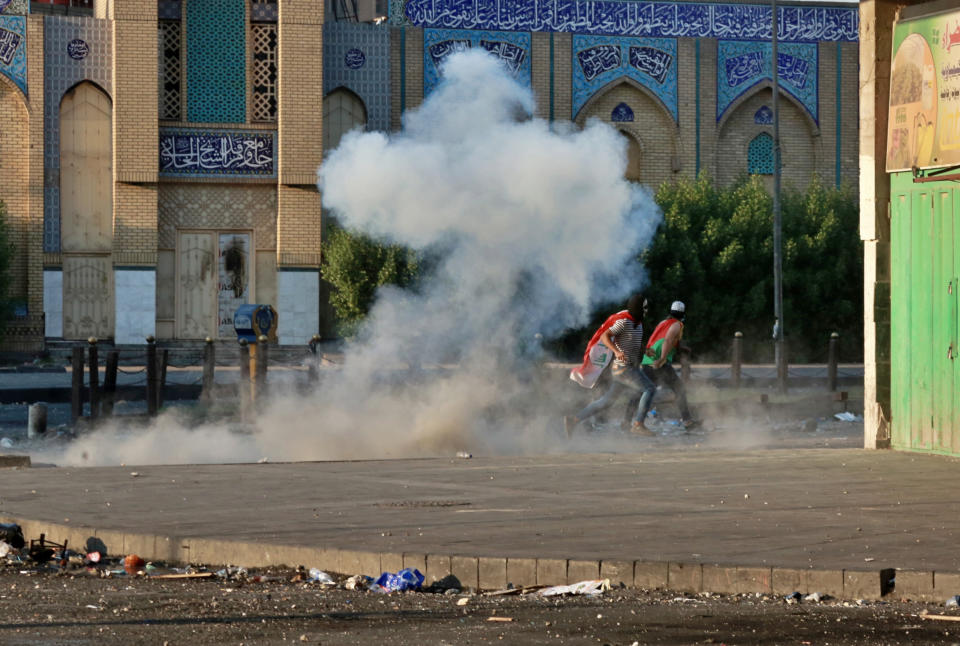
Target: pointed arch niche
(800, 145)
(652, 137)
(342, 112)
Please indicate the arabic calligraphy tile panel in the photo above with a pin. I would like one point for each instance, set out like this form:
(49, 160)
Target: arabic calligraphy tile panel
(13, 50)
(60, 74)
(512, 48)
(216, 61)
(217, 206)
(743, 64)
(192, 152)
(620, 18)
(370, 82)
(651, 62)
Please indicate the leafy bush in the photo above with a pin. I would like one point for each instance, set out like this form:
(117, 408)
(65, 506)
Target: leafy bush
(714, 250)
(356, 265)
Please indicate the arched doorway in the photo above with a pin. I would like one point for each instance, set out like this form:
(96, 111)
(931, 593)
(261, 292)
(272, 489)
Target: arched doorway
(342, 112)
(86, 211)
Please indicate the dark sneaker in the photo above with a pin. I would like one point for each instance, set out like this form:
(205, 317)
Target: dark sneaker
(691, 423)
(569, 423)
(640, 429)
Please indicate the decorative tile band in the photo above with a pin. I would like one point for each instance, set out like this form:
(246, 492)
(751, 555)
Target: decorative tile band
(512, 48)
(620, 18)
(13, 50)
(743, 64)
(188, 152)
(216, 61)
(651, 62)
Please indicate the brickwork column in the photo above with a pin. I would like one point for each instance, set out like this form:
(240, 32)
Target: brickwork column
(135, 167)
(135, 136)
(300, 132)
(876, 36)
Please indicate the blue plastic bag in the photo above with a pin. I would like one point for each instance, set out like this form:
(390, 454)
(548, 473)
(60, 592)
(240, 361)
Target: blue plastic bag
(405, 579)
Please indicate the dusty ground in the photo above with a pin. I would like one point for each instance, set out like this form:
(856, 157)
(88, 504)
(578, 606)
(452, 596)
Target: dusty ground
(47, 608)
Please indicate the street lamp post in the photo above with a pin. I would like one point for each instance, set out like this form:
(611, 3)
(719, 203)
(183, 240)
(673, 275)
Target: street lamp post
(779, 351)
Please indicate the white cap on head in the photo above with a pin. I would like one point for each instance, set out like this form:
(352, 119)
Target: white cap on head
(678, 306)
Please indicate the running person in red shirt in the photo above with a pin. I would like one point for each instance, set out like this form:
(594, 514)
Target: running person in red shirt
(657, 359)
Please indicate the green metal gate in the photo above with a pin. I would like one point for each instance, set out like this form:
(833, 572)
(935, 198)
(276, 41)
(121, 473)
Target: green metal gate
(924, 318)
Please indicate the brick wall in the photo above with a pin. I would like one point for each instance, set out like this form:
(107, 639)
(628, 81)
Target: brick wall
(298, 226)
(135, 134)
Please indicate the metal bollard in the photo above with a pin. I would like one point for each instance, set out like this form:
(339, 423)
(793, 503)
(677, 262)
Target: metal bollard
(833, 357)
(736, 361)
(36, 420)
(209, 365)
(260, 374)
(151, 376)
(110, 383)
(313, 370)
(76, 384)
(245, 386)
(94, 370)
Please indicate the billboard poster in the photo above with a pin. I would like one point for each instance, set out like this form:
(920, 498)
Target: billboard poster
(923, 126)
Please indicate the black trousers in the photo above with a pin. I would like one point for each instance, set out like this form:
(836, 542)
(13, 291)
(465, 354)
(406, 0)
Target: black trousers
(665, 375)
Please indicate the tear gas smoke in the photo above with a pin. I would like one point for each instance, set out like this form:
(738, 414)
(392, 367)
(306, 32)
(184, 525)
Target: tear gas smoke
(529, 228)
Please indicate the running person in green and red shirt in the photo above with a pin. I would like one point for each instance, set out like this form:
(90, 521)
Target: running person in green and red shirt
(656, 362)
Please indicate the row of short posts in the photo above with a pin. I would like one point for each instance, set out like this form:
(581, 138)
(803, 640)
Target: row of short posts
(102, 398)
(833, 358)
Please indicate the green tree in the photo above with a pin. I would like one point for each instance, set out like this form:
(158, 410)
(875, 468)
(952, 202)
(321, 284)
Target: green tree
(356, 264)
(714, 250)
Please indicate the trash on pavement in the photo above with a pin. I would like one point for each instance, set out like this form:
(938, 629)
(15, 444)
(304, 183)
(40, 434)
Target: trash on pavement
(358, 582)
(848, 417)
(11, 534)
(953, 601)
(462, 601)
(405, 579)
(133, 564)
(816, 597)
(319, 576)
(793, 598)
(591, 587)
(6, 443)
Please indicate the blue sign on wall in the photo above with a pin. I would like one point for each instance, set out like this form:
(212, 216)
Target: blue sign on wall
(187, 152)
(512, 49)
(743, 64)
(651, 62)
(618, 18)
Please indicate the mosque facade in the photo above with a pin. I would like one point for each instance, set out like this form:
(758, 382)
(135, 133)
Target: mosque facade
(159, 156)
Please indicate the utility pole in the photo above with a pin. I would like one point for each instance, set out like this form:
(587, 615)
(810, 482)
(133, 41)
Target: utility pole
(779, 350)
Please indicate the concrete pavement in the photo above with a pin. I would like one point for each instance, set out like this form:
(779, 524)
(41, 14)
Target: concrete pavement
(834, 521)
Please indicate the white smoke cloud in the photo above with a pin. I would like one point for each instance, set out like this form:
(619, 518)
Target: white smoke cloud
(537, 227)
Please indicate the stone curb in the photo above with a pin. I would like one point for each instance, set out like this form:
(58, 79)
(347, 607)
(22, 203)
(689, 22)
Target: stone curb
(491, 573)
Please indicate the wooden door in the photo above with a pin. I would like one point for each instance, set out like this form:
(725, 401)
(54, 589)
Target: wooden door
(196, 285)
(87, 297)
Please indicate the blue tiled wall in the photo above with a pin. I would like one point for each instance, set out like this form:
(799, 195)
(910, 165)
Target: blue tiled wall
(216, 61)
(357, 57)
(61, 72)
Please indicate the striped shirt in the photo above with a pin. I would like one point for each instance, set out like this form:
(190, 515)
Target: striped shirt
(628, 337)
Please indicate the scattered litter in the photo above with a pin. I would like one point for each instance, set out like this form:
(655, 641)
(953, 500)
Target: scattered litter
(135, 474)
(133, 564)
(942, 617)
(793, 598)
(816, 597)
(188, 575)
(93, 607)
(868, 559)
(507, 619)
(953, 602)
(319, 576)
(405, 579)
(4, 549)
(6, 443)
(462, 601)
(464, 454)
(592, 587)
(848, 417)
(11, 534)
(93, 557)
(358, 582)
